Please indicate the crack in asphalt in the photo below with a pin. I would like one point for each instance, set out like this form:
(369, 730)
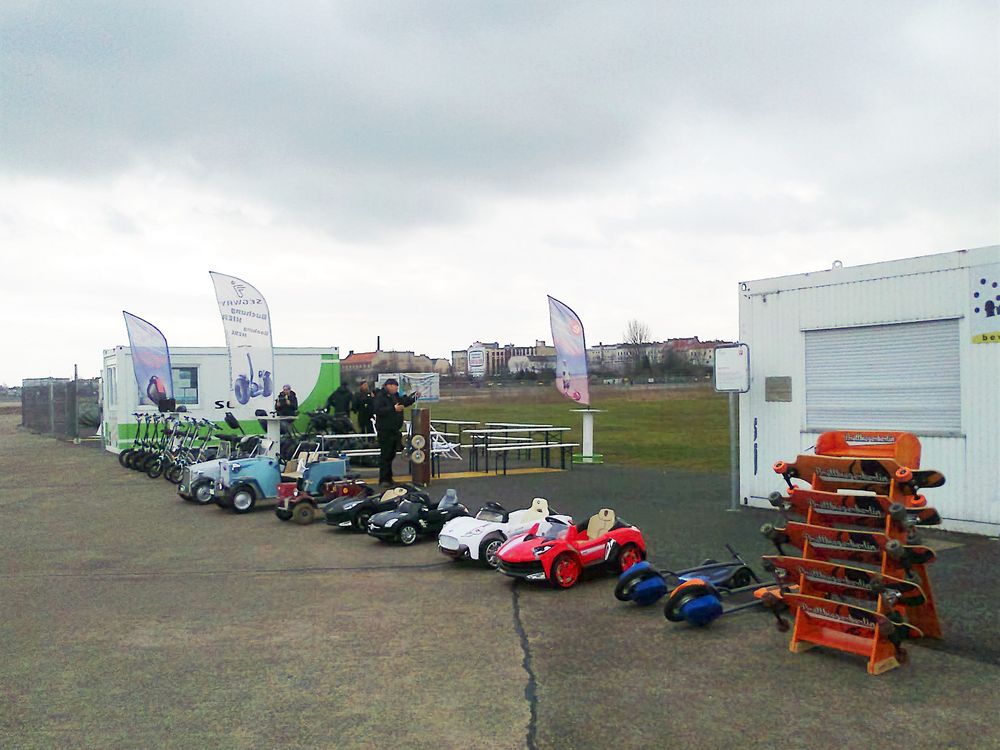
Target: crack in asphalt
(531, 687)
(236, 571)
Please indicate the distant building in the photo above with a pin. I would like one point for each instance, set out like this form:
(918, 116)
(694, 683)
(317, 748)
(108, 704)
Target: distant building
(357, 366)
(498, 358)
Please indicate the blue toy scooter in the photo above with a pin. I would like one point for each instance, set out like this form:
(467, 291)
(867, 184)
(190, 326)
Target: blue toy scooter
(696, 595)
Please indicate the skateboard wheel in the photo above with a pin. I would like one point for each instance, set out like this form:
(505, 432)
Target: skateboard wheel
(904, 474)
(776, 499)
(897, 512)
(780, 467)
(895, 549)
(916, 501)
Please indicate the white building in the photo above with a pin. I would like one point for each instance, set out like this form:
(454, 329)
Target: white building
(911, 345)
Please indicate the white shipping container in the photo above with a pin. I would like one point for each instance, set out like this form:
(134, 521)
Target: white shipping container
(202, 385)
(911, 345)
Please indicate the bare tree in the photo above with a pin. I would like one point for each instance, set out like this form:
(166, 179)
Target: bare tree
(636, 338)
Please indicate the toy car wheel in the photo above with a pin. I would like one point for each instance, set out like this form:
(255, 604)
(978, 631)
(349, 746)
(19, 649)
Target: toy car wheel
(407, 534)
(488, 551)
(283, 515)
(243, 498)
(303, 513)
(201, 491)
(629, 556)
(566, 571)
(361, 520)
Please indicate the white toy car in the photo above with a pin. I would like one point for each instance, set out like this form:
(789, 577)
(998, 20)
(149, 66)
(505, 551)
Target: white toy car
(479, 538)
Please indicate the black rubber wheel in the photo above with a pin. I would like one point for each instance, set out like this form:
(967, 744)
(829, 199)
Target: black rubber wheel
(283, 515)
(123, 457)
(672, 609)
(625, 585)
(201, 492)
(407, 534)
(174, 473)
(361, 520)
(304, 513)
(488, 551)
(242, 498)
(741, 578)
(155, 468)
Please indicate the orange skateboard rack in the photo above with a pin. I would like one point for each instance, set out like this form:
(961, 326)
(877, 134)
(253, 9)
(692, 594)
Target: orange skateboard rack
(821, 621)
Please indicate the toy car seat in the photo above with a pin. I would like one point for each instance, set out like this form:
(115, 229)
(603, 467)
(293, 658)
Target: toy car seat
(393, 492)
(539, 507)
(600, 523)
(449, 500)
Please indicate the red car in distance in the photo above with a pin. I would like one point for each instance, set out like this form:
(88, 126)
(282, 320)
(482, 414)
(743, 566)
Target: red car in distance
(555, 551)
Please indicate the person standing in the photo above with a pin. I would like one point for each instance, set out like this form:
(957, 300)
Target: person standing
(388, 408)
(287, 403)
(363, 407)
(340, 401)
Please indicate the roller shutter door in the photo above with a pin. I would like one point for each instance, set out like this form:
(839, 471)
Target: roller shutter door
(904, 376)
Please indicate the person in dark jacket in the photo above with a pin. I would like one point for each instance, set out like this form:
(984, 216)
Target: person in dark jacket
(287, 403)
(340, 401)
(388, 408)
(362, 406)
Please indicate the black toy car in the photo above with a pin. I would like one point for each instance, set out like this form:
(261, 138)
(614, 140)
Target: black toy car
(414, 519)
(354, 512)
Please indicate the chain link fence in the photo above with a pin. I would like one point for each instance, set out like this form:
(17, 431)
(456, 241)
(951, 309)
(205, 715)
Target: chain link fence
(66, 409)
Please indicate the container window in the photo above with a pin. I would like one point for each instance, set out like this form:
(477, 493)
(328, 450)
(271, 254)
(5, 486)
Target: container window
(186, 385)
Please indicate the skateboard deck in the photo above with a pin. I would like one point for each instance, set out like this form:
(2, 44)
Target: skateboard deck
(902, 447)
(846, 580)
(879, 475)
(842, 544)
(858, 510)
(857, 630)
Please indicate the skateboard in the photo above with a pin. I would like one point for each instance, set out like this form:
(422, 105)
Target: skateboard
(845, 580)
(870, 511)
(849, 628)
(879, 475)
(853, 546)
(902, 447)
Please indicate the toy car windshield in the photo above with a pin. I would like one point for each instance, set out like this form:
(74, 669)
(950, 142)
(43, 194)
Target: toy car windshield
(552, 529)
(489, 514)
(408, 506)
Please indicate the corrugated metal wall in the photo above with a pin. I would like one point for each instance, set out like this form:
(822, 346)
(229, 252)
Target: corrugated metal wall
(774, 315)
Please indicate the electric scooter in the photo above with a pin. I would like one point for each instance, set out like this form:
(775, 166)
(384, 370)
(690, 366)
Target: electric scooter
(247, 389)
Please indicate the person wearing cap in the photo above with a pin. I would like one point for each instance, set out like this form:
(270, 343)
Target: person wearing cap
(388, 409)
(287, 403)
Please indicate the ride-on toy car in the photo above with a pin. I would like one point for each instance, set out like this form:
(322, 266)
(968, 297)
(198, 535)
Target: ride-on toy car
(301, 502)
(479, 538)
(412, 519)
(242, 484)
(555, 551)
(354, 512)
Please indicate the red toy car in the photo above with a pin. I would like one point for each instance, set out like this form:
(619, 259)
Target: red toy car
(555, 551)
(295, 504)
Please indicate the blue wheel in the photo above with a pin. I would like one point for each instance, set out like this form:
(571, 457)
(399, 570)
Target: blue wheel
(242, 389)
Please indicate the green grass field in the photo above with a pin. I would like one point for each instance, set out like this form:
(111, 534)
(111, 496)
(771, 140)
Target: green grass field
(684, 428)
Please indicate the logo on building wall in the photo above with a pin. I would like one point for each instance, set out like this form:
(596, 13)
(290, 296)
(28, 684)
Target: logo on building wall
(984, 322)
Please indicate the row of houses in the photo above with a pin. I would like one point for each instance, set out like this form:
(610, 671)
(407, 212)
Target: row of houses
(495, 360)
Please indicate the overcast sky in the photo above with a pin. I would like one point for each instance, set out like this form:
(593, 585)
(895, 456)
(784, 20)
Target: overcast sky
(429, 171)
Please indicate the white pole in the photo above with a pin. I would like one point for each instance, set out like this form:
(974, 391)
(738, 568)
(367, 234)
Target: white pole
(588, 433)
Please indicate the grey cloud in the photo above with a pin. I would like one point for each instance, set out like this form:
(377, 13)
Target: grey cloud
(368, 117)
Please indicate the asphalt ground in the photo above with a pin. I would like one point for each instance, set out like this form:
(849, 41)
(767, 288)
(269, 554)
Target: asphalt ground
(131, 619)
